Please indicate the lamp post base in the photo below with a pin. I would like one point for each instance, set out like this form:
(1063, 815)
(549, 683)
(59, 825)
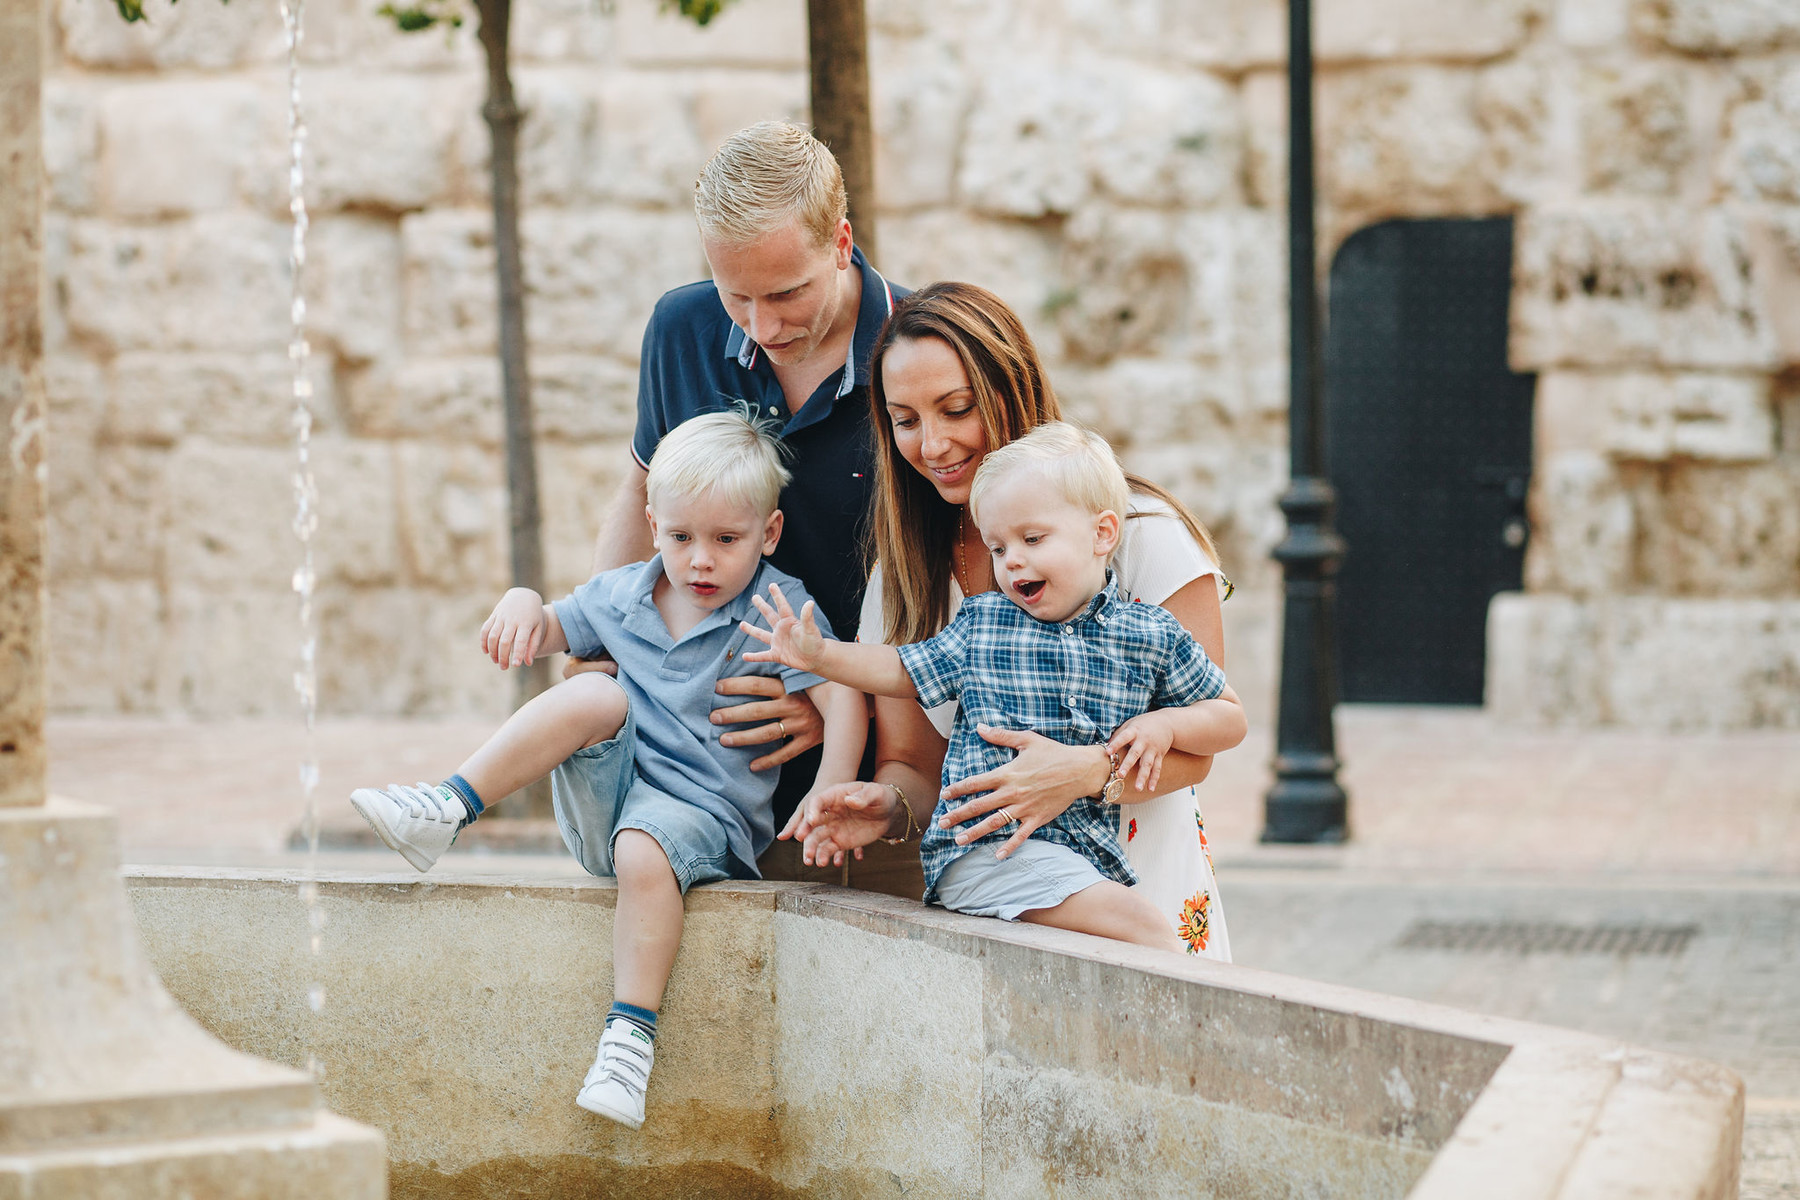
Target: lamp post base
(1306, 805)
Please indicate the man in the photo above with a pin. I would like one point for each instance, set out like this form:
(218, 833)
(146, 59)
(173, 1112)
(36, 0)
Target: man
(784, 329)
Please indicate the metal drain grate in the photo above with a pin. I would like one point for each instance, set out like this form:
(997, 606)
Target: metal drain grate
(1520, 937)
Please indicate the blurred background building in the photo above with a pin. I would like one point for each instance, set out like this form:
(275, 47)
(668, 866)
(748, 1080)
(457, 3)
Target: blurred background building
(1562, 239)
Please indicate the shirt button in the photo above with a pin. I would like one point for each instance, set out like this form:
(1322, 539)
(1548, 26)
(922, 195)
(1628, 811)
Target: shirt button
(775, 410)
(1071, 700)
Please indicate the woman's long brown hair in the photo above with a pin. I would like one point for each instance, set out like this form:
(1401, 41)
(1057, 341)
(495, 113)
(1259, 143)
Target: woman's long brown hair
(912, 530)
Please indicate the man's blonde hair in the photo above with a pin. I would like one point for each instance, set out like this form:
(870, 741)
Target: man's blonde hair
(762, 178)
(723, 455)
(1077, 464)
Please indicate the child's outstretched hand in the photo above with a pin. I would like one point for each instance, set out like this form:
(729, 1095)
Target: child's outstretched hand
(793, 641)
(1143, 741)
(514, 631)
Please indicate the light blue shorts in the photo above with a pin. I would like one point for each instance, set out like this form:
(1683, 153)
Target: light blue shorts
(1038, 874)
(597, 792)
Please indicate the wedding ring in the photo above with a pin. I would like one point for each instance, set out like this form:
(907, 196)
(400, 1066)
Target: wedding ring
(1010, 819)
(782, 725)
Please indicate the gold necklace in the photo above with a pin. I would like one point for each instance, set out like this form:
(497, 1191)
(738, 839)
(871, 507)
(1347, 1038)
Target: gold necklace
(962, 564)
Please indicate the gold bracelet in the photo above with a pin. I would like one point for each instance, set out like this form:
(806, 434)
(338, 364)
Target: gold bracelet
(912, 822)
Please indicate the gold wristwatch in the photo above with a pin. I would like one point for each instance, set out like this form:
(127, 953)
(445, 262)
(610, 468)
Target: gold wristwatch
(1115, 783)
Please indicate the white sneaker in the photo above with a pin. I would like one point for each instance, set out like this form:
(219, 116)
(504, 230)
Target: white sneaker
(615, 1084)
(419, 821)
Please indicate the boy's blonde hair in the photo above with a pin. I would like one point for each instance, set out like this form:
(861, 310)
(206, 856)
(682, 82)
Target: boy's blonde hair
(1076, 462)
(722, 454)
(765, 176)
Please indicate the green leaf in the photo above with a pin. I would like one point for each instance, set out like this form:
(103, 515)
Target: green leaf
(423, 14)
(697, 11)
(131, 10)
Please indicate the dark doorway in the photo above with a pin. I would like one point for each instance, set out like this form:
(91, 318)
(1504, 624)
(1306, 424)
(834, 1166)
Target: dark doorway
(1429, 445)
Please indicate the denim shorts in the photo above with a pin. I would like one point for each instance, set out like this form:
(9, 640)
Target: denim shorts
(597, 792)
(1039, 874)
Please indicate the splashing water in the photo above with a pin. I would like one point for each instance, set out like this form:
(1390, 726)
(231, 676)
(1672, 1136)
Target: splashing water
(306, 511)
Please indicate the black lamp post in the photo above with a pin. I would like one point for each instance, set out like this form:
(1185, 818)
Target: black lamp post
(1306, 804)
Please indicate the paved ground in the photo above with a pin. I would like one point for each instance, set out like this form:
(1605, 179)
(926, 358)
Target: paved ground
(1453, 817)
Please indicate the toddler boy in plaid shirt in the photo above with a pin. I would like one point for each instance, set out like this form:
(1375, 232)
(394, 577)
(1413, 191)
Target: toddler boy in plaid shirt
(1058, 650)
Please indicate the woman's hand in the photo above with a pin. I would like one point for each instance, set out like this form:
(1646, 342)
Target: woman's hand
(1042, 780)
(788, 717)
(841, 819)
(515, 629)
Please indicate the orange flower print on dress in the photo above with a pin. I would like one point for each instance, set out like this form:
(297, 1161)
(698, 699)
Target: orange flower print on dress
(1205, 848)
(1131, 829)
(1194, 927)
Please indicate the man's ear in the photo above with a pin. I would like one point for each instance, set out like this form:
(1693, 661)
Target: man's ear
(1106, 533)
(842, 244)
(772, 532)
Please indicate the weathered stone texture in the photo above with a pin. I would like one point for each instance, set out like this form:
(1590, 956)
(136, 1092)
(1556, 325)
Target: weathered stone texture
(214, 282)
(1627, 284)
(1558, 660)
(172, 36)
(1583, 527)
(378, 143)
(760, 33)
(1718, 531)
(1638, 128)
(1719, 26)
(1043, 138)
(171, 148)
(1654, 416)
(1402, 139)
(1422, 29)
(1762, 160)
(159, 399)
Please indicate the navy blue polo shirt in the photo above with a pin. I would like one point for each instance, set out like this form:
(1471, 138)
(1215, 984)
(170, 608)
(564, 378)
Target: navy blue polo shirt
(696, 361)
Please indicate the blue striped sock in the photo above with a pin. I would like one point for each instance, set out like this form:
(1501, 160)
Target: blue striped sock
(643, 1018)
(471, 801)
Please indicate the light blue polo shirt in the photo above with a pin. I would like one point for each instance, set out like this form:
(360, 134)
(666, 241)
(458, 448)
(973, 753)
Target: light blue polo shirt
(670, 685)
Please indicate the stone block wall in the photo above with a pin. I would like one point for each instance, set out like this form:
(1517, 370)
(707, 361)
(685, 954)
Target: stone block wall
(1114, 168)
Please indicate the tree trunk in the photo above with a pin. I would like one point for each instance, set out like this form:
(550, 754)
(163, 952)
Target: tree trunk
(503, 118)
(838, 38)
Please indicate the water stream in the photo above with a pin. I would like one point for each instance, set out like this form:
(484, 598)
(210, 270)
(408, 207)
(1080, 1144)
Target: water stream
(306, 512)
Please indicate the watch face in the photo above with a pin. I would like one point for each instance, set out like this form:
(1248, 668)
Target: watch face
(1110, 793)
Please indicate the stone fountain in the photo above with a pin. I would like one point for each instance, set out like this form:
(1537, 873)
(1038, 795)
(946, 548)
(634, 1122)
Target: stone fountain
(108, 1088)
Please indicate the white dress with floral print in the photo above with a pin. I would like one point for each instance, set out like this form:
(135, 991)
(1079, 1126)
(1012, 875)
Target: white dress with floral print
(1165, 838)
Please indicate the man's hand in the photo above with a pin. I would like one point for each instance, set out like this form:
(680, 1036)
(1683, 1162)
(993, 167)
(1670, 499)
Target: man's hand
(515, 629)
(792, 641)
(789, 716)
(581, 666)
(1144, 740)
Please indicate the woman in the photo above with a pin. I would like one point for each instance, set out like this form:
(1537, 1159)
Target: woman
(954, 375)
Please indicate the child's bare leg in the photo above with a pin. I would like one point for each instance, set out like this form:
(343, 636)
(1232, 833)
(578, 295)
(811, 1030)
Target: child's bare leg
(577, 713)
(1112, 910)
(647, 921)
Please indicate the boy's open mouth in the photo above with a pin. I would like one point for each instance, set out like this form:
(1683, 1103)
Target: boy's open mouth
(1029, 590)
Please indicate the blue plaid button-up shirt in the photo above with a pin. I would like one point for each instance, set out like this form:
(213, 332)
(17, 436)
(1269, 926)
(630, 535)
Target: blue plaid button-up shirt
(1074, 682)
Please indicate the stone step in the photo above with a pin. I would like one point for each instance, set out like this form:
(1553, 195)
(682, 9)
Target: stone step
(324, 1155)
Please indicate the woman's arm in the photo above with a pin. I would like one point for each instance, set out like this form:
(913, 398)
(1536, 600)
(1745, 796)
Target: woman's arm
(1046, 777)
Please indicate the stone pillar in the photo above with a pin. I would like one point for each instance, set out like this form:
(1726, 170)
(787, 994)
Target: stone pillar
(21, 410)
(108, 1089)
